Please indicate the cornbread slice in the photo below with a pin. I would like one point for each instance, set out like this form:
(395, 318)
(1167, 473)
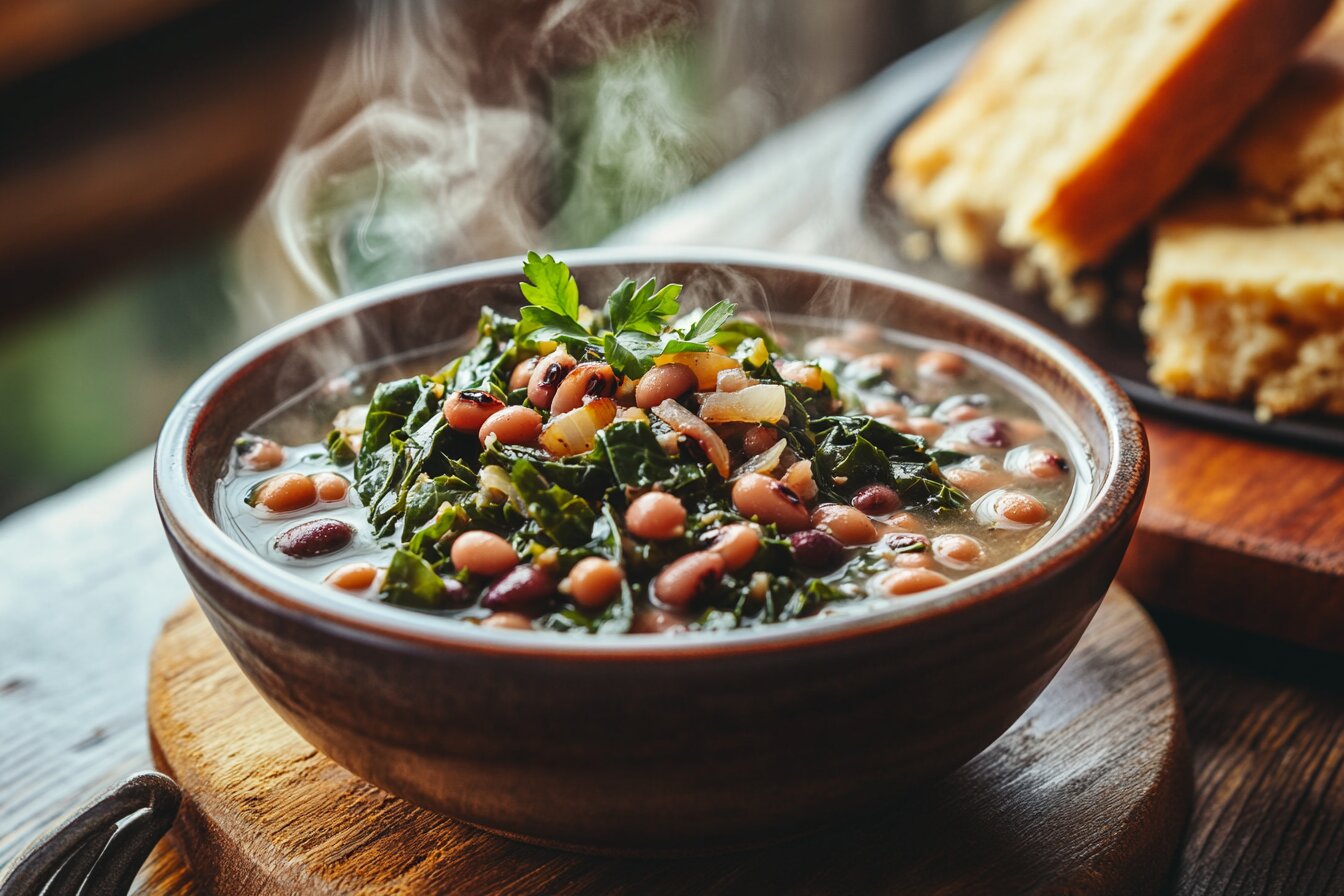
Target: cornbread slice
(1289, 153)
(1078, 118)
(1243, 306)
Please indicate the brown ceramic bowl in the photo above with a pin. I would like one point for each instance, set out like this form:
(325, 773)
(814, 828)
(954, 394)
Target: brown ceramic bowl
(640, 743)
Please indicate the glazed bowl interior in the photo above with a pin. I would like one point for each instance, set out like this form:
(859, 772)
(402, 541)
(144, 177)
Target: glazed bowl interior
(419, 323)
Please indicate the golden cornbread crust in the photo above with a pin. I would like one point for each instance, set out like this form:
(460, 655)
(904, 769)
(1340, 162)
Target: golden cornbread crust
(1242, 306)
(1289, 152)
(1078, 118)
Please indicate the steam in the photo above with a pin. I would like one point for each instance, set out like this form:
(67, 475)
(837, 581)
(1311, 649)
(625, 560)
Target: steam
(449, 132)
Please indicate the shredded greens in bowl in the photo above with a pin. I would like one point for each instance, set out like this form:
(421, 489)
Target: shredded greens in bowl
(642, 467)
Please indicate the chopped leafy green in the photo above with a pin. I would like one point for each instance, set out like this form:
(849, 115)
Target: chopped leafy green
(564, 517)
(411, 582)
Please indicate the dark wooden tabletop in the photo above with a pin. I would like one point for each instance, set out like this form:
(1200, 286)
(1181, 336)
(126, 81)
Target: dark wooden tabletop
(86, 581)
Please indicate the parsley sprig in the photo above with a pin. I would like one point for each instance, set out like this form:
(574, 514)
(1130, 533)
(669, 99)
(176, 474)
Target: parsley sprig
(638, 317)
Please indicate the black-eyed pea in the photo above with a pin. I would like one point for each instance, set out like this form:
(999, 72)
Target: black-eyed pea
(467, 410)
(593, 583)
(850, 526)
(547, 376)
(483, 553)
(956, 551)
(1036, 463)
(331, 487)
(589, 380)
(515, 425)
(888, 363)
(656, 516)
(688, 578)
(911, 581)
(285, 493)
(522, 373)
(937, 364)
(1008, 509)
(913, 560)
(770, 501)
(505, 619)
(736, 544)
(260, 454)
(926, 427)
(353, 577)
(663, 382)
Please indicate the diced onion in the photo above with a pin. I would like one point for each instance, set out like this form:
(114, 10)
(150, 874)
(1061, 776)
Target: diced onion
(496, 487)
(765, 462)
(705, 366)
(686, 423)
(799, 478)
(734, 379)
(573, 432)
(764, 403)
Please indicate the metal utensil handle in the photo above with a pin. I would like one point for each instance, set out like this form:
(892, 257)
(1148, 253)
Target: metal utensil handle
(98, 851)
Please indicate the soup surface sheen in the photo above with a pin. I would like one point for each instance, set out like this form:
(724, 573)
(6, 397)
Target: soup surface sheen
(709, 474)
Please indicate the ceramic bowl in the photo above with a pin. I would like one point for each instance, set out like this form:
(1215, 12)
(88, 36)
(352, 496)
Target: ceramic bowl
(643, 743)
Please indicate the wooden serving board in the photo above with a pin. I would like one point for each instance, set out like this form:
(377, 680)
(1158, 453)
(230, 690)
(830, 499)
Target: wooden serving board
(1088, 793)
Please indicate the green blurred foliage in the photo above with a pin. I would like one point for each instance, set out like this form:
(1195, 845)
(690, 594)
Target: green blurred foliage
(85, 386)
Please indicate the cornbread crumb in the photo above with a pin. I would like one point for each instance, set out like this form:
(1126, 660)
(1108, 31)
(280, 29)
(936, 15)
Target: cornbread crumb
(1241, 305)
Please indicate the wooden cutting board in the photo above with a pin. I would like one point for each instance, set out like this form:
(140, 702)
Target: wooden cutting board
(1088, 793)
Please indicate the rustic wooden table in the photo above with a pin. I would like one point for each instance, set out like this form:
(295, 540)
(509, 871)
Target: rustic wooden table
(86, 581)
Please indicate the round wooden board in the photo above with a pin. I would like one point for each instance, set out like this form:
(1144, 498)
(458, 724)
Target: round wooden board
(1088, 793)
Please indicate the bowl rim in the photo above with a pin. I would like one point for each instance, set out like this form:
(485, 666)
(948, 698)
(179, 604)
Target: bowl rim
(1119, 489)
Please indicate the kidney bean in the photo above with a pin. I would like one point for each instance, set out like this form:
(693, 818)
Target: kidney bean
(515, 425)
(285, 493)
(877, 499)
(770, 501)
(656, 516)
(589, 380)
(816, 550)
(314, 538)
(906, 541)
(455, 594)
(483, 553)
(688, 578)
(467, 411)
(663, 382)
(547, 376)
(988, 432)
(523, 589)
(759, 439)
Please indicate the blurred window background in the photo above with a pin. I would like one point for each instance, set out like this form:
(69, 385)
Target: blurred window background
(438, 133)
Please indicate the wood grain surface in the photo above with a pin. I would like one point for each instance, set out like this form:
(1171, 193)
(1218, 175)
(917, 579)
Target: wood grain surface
(1088, 793)
(1233, 530)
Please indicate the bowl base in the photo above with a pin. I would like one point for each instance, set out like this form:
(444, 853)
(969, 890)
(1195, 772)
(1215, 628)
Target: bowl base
(1096, 775)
